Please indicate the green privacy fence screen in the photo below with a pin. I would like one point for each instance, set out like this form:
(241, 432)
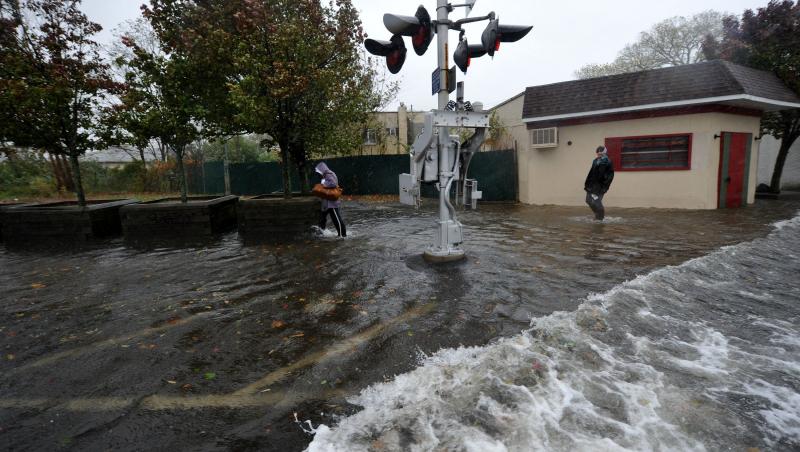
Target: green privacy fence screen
(496, 172)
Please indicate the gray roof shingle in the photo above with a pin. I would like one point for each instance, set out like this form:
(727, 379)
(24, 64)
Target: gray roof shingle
(673, 84)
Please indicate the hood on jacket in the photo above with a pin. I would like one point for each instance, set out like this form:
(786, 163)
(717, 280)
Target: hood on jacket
(321, 168)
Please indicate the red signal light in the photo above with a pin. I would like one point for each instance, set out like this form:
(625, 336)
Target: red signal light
(393, 58)
(424, 34)
(465, 53)
(397, 56)
(419, 38)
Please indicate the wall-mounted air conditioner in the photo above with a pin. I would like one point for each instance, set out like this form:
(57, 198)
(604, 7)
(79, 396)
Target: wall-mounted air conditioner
(544, 138)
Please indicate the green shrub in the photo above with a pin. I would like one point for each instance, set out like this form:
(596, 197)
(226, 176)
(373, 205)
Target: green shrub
(131, 177)
(26, 174)
(41, 187)
(241, 149)
(94, 176)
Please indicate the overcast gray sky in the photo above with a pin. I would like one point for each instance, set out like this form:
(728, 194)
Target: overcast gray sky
(566, 35)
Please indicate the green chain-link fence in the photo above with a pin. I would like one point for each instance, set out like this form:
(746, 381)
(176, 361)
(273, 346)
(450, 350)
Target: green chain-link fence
(496, 172)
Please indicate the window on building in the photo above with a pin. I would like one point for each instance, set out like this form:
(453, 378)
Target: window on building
(661, 152)
(370, 136)
(391, 131)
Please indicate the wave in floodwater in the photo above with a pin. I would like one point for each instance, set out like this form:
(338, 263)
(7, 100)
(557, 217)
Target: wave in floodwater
(700, 356)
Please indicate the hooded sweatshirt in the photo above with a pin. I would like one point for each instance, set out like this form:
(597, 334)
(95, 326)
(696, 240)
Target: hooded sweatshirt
(329, 180)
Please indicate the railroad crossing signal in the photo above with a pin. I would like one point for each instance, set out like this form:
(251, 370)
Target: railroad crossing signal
(394, 50)
(465, 53)
(418, 26)
(439, 156)
(494, 34)
(421, 29)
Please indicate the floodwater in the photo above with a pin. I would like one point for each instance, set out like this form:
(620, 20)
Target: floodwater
(655, 330)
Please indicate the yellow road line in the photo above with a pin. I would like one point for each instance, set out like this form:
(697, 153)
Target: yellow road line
(336, 349)
(85, 404)
(163, 403)
(251, 395)
(114, 341)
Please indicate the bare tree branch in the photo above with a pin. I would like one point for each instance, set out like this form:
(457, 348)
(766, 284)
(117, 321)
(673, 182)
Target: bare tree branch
(671, 42)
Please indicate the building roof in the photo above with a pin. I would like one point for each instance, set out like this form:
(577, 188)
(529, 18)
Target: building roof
(510, 99)
(710, 82)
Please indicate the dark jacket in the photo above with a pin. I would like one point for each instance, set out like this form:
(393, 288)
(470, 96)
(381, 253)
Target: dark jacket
(600, 176)
(329, 180)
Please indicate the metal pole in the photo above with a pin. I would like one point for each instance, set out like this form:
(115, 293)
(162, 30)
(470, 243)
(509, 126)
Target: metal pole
(226, 169)
(442, 251)
(442, 32)
(441, 35)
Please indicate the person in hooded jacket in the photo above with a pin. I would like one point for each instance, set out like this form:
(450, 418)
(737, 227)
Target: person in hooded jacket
(330, 208)
(598, 181)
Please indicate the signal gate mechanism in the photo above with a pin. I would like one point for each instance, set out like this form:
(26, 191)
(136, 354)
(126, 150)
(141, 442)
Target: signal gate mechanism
(437, 156)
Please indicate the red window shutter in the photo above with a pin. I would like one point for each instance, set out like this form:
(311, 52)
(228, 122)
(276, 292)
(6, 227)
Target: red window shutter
(614, 146)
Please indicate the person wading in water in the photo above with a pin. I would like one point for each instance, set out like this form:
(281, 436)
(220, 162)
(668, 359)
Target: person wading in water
(597, 182)
(329, 207)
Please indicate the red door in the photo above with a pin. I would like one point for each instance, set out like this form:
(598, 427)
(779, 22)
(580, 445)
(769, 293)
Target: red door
(734, 169)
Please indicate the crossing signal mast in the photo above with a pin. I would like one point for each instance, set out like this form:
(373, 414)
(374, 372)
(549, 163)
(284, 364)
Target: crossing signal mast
(437, 157)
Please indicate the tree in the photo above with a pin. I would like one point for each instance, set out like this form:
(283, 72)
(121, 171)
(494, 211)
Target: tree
(123, 126)
(241, 149)
(200, 34)
(53, 80)
(321, 87)
(294, 70)
(768, 39)
(157, 103)
(13, 63)
(672, 42)
(497, 136)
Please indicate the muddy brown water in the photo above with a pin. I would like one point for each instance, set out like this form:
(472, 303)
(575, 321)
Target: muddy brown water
(216, 345)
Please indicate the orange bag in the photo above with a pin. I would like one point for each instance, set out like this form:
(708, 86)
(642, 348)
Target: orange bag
(331, 194)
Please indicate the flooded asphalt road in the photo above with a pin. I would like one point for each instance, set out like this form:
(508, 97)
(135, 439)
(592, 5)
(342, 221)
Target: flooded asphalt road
(216, 345)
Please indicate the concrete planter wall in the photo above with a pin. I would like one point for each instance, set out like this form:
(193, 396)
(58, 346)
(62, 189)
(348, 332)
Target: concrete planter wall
(272, 216)
(169, 217)
(3, 207)
(63, 220)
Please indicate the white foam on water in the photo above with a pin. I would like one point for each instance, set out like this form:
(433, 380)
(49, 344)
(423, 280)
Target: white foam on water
(713, 349)
(704, 354)
(783, 332)
(560, 386)
(592, 220)
(756, 296)
(791, 222)
(763, 358)
(789, 338)
(529, 392)
(784, 414)
(331, 234)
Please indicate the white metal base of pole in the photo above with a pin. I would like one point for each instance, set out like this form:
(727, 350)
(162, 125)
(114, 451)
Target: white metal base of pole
(445, 247)
(439, 256)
